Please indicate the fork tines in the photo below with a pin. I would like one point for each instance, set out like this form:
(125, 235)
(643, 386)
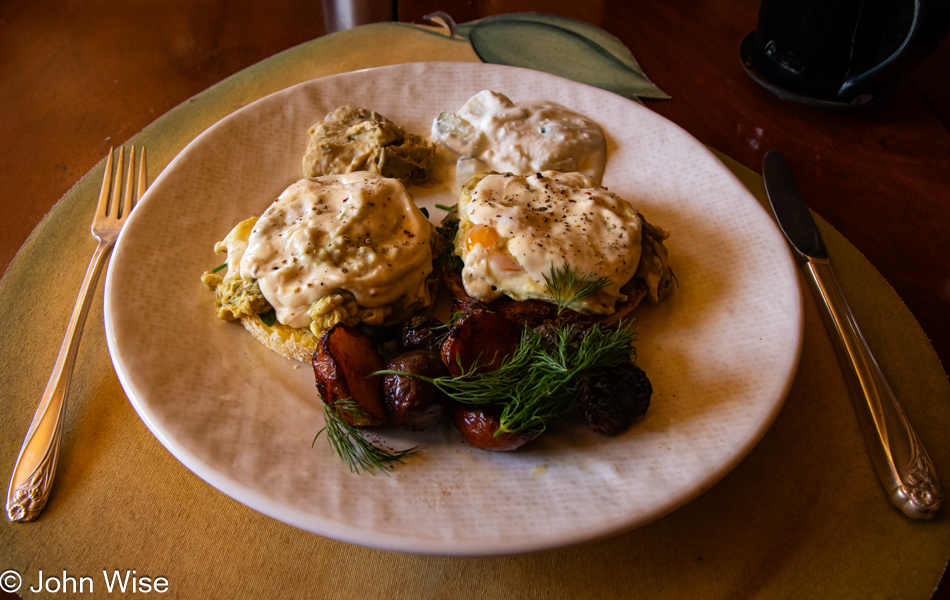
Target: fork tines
(132, 192)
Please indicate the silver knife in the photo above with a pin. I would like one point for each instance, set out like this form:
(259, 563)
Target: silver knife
(899, 458)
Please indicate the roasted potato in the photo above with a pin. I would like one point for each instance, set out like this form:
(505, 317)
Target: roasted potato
(478, 425)
(343, 359)
(479, 337)
(421, 333)
(413, 403)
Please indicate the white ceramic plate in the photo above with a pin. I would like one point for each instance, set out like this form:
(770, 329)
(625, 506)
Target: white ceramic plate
(721, 351)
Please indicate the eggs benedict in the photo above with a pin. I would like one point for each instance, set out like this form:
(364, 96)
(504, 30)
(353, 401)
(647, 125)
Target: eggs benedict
(518, 237)
(350, 248)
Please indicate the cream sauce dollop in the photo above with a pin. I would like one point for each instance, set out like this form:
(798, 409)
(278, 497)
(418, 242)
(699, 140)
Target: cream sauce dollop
(492, 133)
(359, 232)
(513, 230)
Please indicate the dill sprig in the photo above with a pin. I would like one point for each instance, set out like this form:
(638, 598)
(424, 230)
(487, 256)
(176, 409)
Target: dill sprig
(567, 287)
(540, 382)
(349, 443)
(446, 328)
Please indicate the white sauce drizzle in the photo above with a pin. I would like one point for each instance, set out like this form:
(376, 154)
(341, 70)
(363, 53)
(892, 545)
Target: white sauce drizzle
(492, 133)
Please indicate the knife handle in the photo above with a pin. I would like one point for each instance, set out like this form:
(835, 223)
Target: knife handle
(899, 458)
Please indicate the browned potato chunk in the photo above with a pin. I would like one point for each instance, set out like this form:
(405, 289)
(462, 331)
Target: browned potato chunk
(410, 402)
(478, 425)
(479, 337)
(343, 359)
(421, 333)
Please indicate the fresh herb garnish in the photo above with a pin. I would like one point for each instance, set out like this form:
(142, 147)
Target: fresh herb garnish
(446, 328)
(268, 318)
(424, 211)
(349, 443)
(540, 382)
(219, 267)
(567, 288)
(448, 231)
(444, 207)
(450, 261)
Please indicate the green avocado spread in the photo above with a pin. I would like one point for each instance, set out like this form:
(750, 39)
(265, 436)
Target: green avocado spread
(357, 139)
(235, 297)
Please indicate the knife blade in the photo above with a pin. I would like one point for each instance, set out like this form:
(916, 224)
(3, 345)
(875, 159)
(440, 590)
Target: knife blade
(899, 457)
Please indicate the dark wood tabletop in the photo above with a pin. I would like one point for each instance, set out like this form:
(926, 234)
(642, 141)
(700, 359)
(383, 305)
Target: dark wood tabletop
(79, 77)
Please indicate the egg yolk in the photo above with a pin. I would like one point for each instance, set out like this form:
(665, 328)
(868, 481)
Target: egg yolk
(490, 240)
(486, 236)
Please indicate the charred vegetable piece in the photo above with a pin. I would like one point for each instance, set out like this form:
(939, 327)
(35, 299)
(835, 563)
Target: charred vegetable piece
(421, 333)
(341, 363)
(535, 312)
(614, 397)
(479, 338)
(528, 312)
(479, 427)
(541, 380)
(413, 403)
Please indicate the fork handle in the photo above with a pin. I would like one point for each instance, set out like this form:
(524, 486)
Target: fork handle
(32, 477)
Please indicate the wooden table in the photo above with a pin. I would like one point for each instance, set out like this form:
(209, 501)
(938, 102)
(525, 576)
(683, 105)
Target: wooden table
(81, 77)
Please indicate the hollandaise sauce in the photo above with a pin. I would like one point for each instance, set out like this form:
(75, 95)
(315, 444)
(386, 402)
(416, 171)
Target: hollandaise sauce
(358, 233)
(513, 230)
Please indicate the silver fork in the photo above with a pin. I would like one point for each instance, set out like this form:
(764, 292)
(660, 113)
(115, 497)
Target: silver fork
(32, 477)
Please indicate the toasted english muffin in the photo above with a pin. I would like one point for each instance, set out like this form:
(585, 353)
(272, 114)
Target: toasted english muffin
(291, 342)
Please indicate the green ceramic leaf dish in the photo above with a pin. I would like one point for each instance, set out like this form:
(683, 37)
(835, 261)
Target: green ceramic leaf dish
(594, 34)
(560, 46)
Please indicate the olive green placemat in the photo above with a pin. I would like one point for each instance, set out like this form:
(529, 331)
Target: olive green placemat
(803, 516)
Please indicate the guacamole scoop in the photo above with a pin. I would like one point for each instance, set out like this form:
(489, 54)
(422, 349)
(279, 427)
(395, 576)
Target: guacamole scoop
(352, 139)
